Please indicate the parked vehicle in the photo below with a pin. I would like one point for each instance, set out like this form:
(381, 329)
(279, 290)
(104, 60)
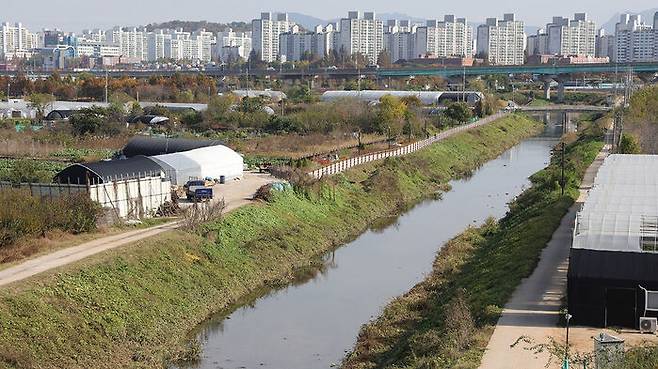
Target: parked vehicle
(198, 190)
(201, 194)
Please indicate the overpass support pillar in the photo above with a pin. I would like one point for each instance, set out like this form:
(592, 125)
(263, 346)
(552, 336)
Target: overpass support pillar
(547, 89)
(560, 90)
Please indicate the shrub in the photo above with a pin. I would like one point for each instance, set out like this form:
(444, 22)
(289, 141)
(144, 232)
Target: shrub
(30, 216)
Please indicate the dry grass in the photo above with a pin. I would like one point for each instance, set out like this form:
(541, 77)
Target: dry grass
(47, 144)
(298, 146)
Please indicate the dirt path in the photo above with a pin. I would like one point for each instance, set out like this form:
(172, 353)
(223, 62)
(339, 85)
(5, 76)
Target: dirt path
(235, 194)
(533, 310)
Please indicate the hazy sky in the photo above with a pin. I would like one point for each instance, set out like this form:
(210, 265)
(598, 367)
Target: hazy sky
(74, 15)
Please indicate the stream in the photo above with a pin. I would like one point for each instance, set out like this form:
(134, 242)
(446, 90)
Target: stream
(314, 322)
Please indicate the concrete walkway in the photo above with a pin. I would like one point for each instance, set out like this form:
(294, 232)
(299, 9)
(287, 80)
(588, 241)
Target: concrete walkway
(235, 194)
(533, 310)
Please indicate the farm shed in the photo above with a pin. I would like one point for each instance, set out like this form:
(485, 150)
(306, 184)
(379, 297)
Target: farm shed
(150, 146)
(207, 162)
(615, 245)
(108, 171)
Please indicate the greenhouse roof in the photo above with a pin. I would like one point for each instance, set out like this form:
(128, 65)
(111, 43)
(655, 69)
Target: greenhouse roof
(621, 211)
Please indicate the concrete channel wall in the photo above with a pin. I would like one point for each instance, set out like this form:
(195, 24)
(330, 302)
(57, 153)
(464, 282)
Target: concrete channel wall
(343, 165)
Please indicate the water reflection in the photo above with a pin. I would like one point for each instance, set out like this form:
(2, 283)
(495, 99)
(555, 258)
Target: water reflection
(312, 322)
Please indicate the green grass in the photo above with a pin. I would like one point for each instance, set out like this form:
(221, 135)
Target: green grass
(134, 307)
(446, 320)
(539, 102)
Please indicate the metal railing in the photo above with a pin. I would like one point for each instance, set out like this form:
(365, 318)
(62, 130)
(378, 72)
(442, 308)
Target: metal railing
(343, 165)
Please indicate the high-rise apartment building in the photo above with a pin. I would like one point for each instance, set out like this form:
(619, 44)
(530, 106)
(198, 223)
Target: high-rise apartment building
(295, 46)
(502, 41)
(361, 34)
(635, 41)
(265, 34)
(241, 41)
(450, 37)
(605, 45)
(572, 37)
(132, 42)
(537, 44)
(16, 41)
(400, 45)
(155, 45)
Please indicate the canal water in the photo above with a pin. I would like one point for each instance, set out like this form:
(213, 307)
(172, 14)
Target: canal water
(314, 322)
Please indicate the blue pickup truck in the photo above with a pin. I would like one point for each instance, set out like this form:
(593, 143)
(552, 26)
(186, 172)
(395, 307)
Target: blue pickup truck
(197, 190)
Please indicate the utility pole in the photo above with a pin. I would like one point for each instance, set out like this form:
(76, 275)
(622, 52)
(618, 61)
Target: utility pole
(358, 71)
(106, 85)
(562, 181)
(565, 363)
(464, 84)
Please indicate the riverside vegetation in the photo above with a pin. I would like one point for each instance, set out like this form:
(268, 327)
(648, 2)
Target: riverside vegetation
(134, 307)
(446, 320)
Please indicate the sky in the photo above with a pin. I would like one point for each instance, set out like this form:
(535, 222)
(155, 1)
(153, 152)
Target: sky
(75, 15)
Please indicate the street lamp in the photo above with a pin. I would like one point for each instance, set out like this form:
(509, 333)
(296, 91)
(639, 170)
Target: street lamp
(565, 363)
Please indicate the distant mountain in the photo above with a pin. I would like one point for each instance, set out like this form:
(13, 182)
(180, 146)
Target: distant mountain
(191, 26)
(400, 16)
(309, 22)
(306, 21)
(647, 15)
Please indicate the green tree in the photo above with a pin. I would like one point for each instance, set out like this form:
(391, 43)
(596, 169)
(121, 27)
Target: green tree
(301, 94)
(87, 121)
(391, 115)
(486, 106)
(136, 109)
(40, 102)
(218, 108)
(629, 145)
(477, 85)
(458, 111)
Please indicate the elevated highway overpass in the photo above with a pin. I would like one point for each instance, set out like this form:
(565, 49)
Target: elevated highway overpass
(564, 108)
(544, 70)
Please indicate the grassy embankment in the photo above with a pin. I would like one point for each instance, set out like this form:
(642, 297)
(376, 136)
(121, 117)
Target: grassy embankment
(474, 275)
(134, 307)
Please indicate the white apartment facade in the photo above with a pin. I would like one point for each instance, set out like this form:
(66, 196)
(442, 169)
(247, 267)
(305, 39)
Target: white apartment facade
(439, 39)
(295, 46)
(400, 45)
(240, 40)
(537, 44)
(502, 41)
(155, 45)
(16, 41)
(361, 35)
(572, 37)
(265, 34)
(132, 42)
(634, 40)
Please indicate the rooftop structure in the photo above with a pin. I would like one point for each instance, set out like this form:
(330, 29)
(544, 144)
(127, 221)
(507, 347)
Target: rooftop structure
(615, 245)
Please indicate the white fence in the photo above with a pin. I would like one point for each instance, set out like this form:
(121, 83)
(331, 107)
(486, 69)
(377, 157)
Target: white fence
(343, 165)
(129, 198)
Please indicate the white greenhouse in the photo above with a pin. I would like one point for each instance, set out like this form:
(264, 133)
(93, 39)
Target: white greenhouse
(425, 97)
(612, 263)
(211, 162)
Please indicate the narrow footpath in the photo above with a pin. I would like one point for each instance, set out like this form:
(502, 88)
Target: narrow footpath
(235, 194)
(533, 311)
